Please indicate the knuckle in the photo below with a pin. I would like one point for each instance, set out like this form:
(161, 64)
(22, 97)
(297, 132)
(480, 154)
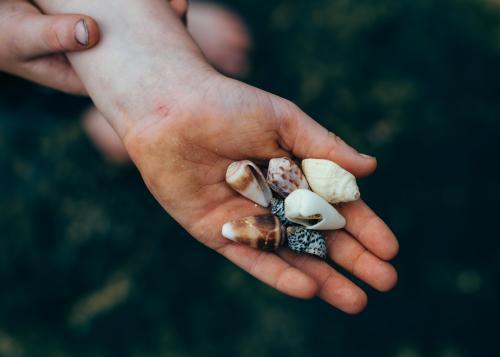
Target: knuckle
(291, 108)
(284, 108)
(323, 283)
(287, 117)
(15, 38)
(370, 226)
(257, 263)
(356, 261)
(286, 124)
(52, 38)
(335, 140)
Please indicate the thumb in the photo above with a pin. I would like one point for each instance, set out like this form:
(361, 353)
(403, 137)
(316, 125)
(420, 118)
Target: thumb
(54, 72)
(305, 138)
(39, 35)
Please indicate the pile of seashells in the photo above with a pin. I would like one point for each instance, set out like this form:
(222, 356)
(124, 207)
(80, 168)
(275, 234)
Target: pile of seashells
(301, 208)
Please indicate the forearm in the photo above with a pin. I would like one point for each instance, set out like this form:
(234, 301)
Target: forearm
(144, 56)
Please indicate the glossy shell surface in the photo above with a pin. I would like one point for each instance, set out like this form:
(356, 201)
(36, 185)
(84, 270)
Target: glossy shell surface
(303, 240)
(246, 178)
(312, 211)
(284, 176)
(262, 232)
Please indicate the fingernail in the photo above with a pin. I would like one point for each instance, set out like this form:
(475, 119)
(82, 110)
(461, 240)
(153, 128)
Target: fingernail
(82, 33)
(367, 156)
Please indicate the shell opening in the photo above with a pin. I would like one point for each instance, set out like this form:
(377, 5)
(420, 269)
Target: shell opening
(260, 180)
(310, 220)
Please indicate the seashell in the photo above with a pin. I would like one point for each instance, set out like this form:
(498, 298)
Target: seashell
(278, 209)
(284, 176)
(330, 181)
(303, 240)
(263, 232)
(247, 179)
(312, 211)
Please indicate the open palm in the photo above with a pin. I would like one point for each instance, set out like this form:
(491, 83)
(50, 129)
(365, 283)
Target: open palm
(183, 154)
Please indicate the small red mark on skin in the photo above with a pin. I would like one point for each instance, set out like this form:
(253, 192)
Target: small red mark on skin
(162, 110)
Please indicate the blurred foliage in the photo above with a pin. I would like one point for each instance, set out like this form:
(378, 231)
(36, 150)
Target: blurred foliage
(90, 264)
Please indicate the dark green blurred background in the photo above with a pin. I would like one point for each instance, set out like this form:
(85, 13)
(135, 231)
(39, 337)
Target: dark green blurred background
(90, 265)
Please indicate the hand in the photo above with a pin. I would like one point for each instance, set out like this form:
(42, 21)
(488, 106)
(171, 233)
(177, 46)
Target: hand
(32, 44)
(182, 124)
(183, 151)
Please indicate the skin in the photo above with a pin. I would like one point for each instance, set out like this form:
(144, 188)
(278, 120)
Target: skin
(224, 41)
(32, 44)
(183, 123)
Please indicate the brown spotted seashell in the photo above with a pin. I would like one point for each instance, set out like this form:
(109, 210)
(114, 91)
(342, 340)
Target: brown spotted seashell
(247, 179)
(284, 176)
(262, 232)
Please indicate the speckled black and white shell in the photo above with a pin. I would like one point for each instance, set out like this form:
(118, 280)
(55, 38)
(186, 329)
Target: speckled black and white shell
(303, 240)
(278, 209)
(299, 238)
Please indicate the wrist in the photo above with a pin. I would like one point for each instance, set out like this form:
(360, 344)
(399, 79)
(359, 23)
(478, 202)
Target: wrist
(169, 110)
(161, 92)
(146, 59)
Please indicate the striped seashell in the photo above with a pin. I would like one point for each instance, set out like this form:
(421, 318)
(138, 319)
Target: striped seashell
(262, 232)
(247, 179)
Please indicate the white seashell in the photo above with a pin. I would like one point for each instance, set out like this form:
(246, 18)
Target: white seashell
(284, 176)
(247, 179)
(312, 211)
(263, 232)
(330, 181)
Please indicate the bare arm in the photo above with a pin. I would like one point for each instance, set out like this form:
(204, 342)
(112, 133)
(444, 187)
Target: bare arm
(32, 44)
(183, 124)
(145, 49)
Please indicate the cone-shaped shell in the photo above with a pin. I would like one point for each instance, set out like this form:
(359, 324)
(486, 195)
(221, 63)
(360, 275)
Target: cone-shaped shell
(303, 240)
(330, 181)
(247, 179)
(284, 176)
(312, 211)
(262, 232)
